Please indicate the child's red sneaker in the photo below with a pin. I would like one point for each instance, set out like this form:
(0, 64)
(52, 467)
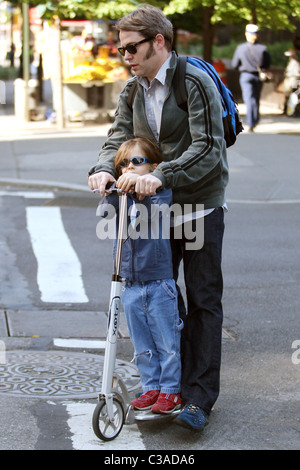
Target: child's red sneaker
(167, 403)
(146, 400)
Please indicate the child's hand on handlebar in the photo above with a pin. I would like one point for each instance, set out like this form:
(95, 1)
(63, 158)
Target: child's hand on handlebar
(127, 181)
(145, 185)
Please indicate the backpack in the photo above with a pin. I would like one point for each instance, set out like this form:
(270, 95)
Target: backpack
(232, 123)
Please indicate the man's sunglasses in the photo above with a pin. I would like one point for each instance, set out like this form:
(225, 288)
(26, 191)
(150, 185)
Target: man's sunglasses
(131, 48)
(135, 160)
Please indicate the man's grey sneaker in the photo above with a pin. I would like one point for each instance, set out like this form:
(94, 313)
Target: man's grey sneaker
(192, 417)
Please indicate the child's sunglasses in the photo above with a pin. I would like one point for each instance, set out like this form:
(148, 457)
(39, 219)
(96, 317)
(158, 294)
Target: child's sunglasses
(131, 48)
(135, 160)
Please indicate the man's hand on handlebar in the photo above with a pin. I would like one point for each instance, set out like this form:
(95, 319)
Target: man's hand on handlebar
(147, 185)
(98, 181)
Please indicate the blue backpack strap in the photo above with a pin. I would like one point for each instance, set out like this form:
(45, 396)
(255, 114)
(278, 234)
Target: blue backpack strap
(210, 70)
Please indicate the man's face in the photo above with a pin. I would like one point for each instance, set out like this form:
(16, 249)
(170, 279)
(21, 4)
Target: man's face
(251, 37)
(145, 62)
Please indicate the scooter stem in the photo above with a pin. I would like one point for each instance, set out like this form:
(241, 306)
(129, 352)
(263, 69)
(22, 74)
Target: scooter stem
(115, 303)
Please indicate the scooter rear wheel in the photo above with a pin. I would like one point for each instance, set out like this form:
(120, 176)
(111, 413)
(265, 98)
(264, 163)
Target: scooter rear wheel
(105, 429)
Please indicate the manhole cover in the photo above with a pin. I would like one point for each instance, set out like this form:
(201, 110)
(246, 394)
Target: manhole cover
(58, 374)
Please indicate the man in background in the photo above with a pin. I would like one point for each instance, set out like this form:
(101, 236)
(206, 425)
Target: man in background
(249, 58)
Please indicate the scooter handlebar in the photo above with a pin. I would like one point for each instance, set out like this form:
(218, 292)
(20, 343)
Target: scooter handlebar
(110, 188)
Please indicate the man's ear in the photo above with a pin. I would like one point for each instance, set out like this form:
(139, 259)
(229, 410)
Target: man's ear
(160, 40)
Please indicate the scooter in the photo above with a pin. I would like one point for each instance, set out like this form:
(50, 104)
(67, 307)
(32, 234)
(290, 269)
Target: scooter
(113, 409)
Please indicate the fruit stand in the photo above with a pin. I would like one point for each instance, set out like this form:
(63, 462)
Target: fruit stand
(91, 84)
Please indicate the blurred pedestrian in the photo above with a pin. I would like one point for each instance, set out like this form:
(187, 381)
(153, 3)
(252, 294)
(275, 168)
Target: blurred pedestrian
(250, 58)
(112, 44)
(292, 72)
(11, 55)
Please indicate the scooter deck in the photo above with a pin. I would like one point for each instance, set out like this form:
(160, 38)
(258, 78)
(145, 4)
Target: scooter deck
(147, 415)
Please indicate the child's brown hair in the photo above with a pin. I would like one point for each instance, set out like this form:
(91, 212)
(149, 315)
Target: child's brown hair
(148, 150)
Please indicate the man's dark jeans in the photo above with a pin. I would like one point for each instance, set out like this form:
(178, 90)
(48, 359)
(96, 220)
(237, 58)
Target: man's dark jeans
(202, 333)
(251, 89)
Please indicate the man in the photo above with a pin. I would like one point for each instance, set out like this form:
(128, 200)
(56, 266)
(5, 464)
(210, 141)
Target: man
(195, 167)
(248, 58)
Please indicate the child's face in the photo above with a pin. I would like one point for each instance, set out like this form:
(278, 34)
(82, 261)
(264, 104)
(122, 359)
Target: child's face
(142, 169)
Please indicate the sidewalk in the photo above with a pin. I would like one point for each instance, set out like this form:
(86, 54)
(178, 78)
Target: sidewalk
(13, 128)
(272, 122)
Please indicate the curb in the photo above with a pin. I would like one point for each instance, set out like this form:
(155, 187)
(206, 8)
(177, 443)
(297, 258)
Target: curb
(43, 184)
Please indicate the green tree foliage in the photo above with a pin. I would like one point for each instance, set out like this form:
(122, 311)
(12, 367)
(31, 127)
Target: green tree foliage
(194, 15)
(89, 9)
(273, 14)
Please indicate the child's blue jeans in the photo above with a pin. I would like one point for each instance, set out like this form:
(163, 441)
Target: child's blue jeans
(154, 326)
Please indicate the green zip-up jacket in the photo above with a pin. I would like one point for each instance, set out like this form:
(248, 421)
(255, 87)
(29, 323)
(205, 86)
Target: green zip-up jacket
(192, 144)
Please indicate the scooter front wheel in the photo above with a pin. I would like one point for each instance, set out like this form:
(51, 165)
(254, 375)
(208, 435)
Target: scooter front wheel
(103, 427)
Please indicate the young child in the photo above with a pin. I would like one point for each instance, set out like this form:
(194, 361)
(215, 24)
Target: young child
(149, 295)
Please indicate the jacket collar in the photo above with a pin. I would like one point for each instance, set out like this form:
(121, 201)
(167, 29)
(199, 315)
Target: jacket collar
(171, 69)
(165, 73)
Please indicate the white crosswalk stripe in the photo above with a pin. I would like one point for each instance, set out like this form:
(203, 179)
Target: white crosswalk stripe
(59, 273)
(83, 437)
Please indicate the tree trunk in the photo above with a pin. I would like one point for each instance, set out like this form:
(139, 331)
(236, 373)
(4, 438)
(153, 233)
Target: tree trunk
(253, 12)
(208, 33)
